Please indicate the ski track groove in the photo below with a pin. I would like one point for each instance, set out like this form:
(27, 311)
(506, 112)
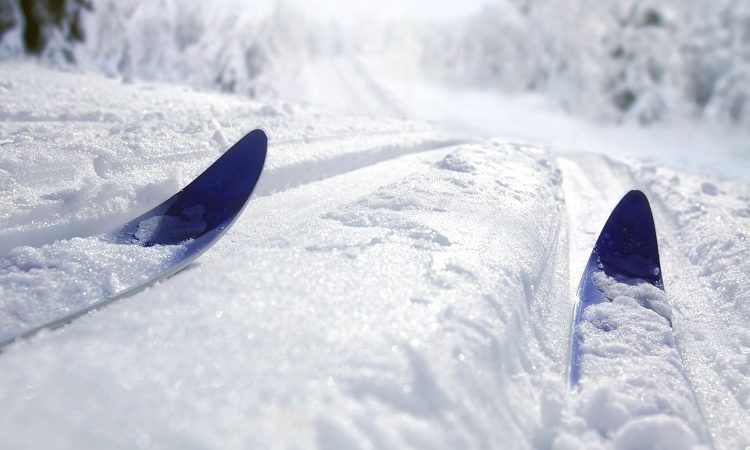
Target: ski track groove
(273, 180)
(611, 185)
(264, 218)
(289, 176)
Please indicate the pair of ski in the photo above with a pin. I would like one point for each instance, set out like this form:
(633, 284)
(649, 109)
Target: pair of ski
(198, 215)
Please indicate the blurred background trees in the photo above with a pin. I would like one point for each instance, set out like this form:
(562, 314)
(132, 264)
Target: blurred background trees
(43, 23)
(614, 60)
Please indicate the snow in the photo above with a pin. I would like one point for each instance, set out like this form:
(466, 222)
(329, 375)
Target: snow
(39, 285)
(86, 180)
(376, 334)
(650, 406)
(404, 275)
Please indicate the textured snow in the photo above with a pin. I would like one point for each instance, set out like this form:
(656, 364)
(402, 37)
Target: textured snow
(710, 222)
(634, 392)
(382, 290)
(710, 325)
(386, 320)
(38, 285)
(132, 148)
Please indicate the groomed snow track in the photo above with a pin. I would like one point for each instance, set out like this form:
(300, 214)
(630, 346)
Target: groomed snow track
(389, 286)
(704, 267)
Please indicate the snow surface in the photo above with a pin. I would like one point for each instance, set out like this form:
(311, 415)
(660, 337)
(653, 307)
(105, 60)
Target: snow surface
(39, 285)
(388, 285)
(651, 407)
(134, 146)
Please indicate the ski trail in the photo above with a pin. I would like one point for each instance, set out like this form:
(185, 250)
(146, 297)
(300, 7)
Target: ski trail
(592, 185)
(284, 211)
(331, 156)
(146, 140)
(385, 98)
(341, 83)
(591, 190)
(282, 175)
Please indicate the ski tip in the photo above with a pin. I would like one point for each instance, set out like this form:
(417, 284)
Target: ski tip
(626, 248)
(209, 204)
(256, 138)
(627, 245)
(237, 171)
(255, 145)
(259, 134)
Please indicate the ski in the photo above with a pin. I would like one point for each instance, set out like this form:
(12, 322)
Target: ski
(191, 221)
(627, 248)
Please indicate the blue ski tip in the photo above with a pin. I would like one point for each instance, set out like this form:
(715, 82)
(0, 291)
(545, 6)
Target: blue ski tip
(195, 217)
(206, 207)
(627, 245)
(626, 248)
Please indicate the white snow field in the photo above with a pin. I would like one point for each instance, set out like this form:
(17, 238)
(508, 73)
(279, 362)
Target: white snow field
(388, 286)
